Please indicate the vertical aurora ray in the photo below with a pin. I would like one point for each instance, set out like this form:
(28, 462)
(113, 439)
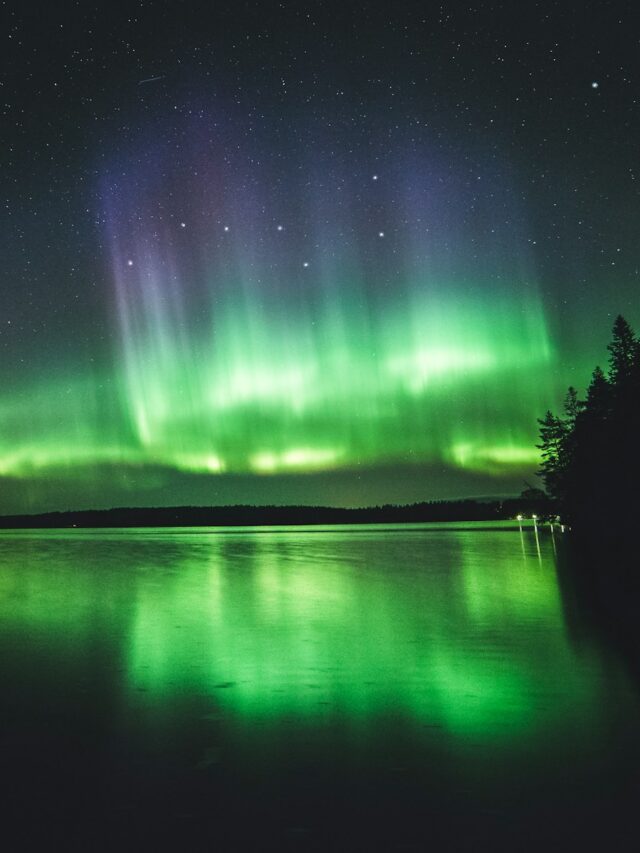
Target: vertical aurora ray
(277, 328)
(310, 319)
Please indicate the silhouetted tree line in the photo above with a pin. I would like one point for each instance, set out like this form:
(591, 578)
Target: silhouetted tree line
(591, 453)
(243, 515)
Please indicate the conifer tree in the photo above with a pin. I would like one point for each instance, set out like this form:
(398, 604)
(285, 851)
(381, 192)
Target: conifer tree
(591, 456)
(622, 350)
(553, 433)
(598, 395)
(572, 406)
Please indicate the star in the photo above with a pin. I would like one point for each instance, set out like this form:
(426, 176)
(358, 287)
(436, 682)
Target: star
(375, 178)
(129, 263)
(280, 227)
(226, 227)
(595, 85)
(380, 233)
(305, 264)
(183, 224)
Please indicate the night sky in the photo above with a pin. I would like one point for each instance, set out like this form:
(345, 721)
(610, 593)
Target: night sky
(305, 252)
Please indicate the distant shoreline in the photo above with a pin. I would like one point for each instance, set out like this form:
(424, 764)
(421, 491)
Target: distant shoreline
(271, 516)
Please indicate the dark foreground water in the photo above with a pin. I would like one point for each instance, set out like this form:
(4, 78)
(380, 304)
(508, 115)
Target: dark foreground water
(406, 688)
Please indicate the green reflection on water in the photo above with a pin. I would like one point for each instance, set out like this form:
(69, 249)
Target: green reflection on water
(455, 630)
(452, 630)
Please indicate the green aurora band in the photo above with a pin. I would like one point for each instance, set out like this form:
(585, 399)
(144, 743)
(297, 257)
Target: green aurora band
(258, 350)
(457, 385)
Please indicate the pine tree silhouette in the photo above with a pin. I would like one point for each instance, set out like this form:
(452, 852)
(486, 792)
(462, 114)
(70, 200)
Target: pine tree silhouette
(591, 455)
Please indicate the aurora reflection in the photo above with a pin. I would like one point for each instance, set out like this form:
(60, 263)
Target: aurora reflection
(451, 629)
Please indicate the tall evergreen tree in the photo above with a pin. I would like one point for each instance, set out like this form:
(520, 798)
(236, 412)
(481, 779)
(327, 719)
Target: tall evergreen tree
(591, 456)
(553, 434)
(572, 406)
(598, 401)
(622, 350)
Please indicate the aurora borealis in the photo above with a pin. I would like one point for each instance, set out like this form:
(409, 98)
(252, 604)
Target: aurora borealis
(247, 348)
(341, 271)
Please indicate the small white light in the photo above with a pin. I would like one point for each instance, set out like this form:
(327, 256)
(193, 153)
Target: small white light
(129, 263)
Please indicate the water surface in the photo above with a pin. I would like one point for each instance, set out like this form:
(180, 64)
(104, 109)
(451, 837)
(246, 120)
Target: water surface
(352, 688)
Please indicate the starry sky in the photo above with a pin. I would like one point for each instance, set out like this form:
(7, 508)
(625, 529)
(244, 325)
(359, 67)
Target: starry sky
(305, 252)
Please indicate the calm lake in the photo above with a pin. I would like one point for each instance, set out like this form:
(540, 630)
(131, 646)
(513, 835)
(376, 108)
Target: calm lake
(339, 688)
